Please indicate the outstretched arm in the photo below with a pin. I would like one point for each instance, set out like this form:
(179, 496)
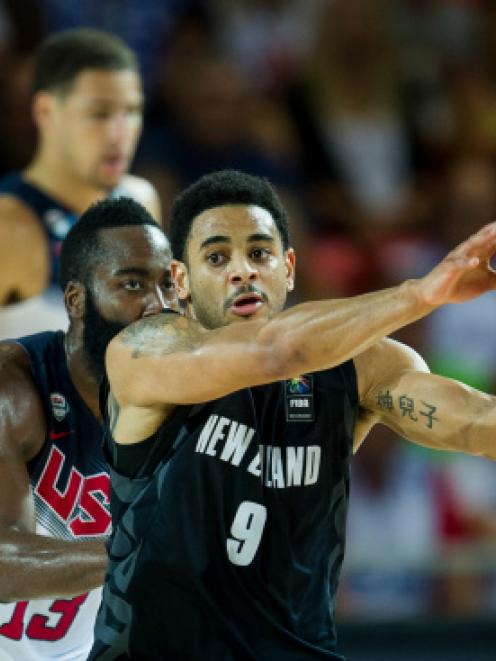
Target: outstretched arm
(397, 389)
(173, 360)
(32, 566)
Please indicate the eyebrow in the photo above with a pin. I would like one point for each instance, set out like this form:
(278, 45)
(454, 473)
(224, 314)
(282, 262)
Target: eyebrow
(261, 237)
(219, 238)
(105, 101)
(131, 271)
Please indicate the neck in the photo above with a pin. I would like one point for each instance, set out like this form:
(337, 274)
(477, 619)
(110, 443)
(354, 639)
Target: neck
(85, 382)
(56, 179)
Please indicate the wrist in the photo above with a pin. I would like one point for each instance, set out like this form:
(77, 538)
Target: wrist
(413, 292)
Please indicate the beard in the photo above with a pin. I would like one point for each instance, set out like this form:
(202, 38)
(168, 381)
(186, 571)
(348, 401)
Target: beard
(97, 334)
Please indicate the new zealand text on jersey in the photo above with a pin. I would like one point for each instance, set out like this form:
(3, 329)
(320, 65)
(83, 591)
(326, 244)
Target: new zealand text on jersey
(278, 467)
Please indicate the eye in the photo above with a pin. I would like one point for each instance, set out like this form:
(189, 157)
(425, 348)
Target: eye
(100, 114)
(216, 258)
(259, 254)
(133, 285)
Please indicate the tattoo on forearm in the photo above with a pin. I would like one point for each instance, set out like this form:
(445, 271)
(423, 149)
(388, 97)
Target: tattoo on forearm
(408, 407)
(160, 335)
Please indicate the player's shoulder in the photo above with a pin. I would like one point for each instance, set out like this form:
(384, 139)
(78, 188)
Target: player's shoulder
(156, 335)
(16, 377)
(14, 360)
(22, 422)
(385, 359)
(15, 213)
(391, 355)
(142, 191)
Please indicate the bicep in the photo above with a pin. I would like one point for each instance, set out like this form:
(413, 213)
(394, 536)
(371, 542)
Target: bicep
(22, 432)
(425, 408)
(155, 362)
(183, 377)
(17, 504)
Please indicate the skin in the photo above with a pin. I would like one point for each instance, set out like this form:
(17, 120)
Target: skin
(87, 139)
(270, 345)
(132, 282)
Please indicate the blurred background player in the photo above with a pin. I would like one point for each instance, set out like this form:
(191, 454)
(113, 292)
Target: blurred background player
(87, 105)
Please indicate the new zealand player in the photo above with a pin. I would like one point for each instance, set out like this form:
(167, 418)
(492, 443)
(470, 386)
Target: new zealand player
(229, 530)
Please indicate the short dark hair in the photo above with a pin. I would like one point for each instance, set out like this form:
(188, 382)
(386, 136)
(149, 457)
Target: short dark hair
(219, 189)
(82, 250)
(65, 54)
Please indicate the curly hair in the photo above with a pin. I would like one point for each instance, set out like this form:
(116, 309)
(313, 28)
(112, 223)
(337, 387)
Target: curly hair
(218, 189)
(82, 250)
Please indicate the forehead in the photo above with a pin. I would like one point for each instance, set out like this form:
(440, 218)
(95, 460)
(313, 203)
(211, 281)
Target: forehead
(102, 85)
(141, 247)
(237, 222)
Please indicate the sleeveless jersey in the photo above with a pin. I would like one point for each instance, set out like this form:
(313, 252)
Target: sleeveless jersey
(46, 312)
(70, 485)
(230, 548)
(55, 218)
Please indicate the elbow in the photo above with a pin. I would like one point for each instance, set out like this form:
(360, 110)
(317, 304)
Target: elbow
(282, 358)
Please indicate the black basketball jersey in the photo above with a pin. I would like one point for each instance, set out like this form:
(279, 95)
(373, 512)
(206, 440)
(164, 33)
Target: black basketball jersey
(230, 550)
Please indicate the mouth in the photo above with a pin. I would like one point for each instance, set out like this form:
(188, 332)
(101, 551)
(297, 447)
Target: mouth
(115, 164)
(246, 305)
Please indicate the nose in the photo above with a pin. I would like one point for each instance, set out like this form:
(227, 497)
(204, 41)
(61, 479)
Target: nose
(242, 271)
(155, 302)
(116, 128)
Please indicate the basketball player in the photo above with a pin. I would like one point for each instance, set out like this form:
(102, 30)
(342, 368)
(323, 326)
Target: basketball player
(229, 531)
(54, 517)
(87, 106)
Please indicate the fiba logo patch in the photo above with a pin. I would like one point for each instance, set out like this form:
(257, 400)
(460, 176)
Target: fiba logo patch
(299, 399)
(301, 385)
(60, 407)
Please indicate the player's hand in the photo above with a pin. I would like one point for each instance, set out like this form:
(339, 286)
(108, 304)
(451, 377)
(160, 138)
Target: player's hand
(464, 273)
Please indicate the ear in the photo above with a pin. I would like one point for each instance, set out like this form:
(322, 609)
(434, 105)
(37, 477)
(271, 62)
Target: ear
(75, 299)
(179, 274)
(290, 263)
(43, 108)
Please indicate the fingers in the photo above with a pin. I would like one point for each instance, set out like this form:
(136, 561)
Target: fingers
(481, 245)
(464, 261)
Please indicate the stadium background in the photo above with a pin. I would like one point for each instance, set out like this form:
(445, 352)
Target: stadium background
(376, 120)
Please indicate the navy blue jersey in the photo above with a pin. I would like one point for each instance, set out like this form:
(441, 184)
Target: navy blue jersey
(230, 549)
(69, 475)
(70, 486)
(55, 218)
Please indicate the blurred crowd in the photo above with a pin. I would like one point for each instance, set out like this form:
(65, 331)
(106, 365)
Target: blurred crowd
(376, 121)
